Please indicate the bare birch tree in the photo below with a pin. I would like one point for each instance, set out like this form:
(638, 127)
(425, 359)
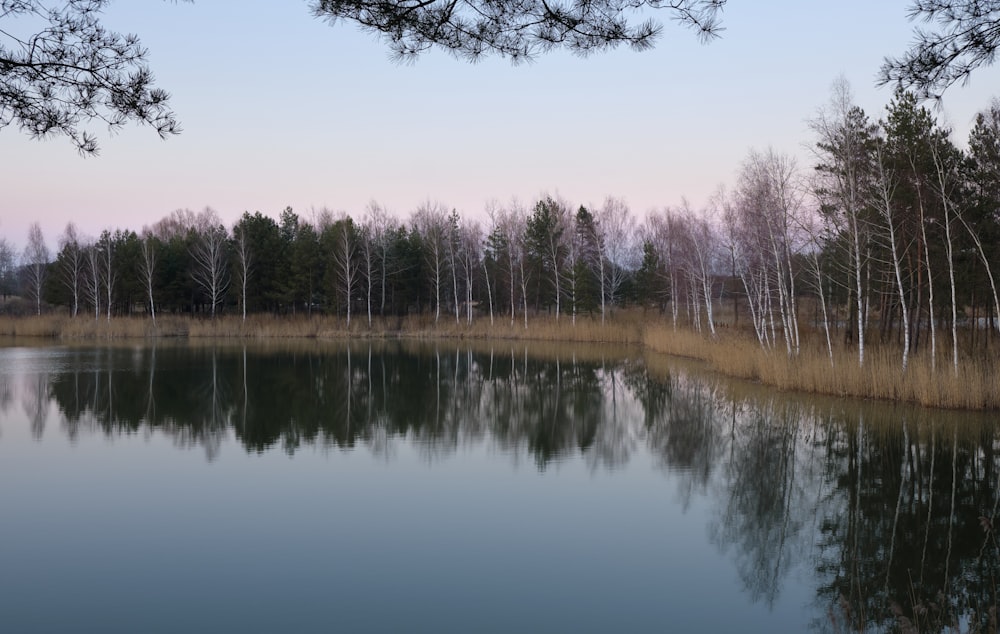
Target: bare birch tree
(947, 180)
(369, 258)
(106, 250)
(615, 226)
(931, 316)
(244, 263)
(36, 263)
(517, 227)
(746, 248)
(71, 265)
(663, 230)
(344, 257)
(762, 220)
(431, 222)
(699, 253)
(471, 255)
(843, 149)
(208, 254)
(884, 193)
(510, 225)
(491, 211)
(380, 225)
(147, 270)
(575, 255)
(92, 278)
(814, 247)
(453, 246)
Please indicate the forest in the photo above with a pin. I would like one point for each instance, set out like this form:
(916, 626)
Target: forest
(888, 240)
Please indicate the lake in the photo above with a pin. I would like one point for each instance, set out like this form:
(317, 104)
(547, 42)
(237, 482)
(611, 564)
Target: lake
(457, 487)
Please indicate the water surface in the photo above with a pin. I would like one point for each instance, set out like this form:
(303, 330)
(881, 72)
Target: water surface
(441, 488)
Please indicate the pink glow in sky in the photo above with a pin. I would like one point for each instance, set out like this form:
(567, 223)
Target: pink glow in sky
(279, 109)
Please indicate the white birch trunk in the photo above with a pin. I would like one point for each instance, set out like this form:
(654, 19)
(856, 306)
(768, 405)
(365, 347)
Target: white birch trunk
(860, 295)
(884, 204)
(489, 289)
(930, 290)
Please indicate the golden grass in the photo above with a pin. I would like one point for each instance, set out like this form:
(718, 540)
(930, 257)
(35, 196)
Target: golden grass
(976, 384)
(69, 328)
(735, 353)
(624, 329)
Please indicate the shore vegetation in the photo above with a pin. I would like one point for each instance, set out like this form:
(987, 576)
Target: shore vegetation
(733, 352)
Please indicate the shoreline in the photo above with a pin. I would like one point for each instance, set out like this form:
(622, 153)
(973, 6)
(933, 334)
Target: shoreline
(974, 386)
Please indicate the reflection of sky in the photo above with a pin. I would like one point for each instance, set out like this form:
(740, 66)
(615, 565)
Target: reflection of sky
(131, 532)
(136, 532)
(279, 109)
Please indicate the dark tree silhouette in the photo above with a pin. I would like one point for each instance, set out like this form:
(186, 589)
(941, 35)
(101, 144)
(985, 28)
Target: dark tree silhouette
(966, 37)
(73, 71)
(517, 29)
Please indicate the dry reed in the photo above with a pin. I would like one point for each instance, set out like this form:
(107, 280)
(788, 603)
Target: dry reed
(975, 385)
(625, 329)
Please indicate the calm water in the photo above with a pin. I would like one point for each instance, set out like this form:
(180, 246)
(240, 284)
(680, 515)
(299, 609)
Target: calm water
(438, 488)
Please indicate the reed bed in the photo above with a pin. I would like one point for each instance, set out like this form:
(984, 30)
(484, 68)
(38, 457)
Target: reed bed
(975, 384)
(70, 328)
(47, 326)
(624, 329)
(544, 328)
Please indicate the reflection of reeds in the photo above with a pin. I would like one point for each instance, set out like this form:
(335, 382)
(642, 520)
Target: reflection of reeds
(927, 614)
(937, 614)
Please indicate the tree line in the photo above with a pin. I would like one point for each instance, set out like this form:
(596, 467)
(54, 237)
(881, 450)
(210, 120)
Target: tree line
(551, 258)
(892, 236)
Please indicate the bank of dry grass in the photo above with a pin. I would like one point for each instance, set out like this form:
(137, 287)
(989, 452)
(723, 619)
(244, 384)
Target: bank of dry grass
(976, 385)
(69, 328)
(624, 329)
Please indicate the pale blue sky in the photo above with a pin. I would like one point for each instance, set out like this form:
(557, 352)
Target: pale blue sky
(281, 109)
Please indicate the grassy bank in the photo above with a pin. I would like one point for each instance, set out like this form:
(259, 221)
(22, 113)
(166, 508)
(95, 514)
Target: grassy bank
(627, 329)
(976, 385)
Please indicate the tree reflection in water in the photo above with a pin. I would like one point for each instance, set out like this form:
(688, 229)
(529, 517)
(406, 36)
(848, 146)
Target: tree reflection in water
(903, 543)
(887, 510)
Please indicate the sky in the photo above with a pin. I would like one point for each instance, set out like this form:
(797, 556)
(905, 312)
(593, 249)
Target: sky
(279, 109)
